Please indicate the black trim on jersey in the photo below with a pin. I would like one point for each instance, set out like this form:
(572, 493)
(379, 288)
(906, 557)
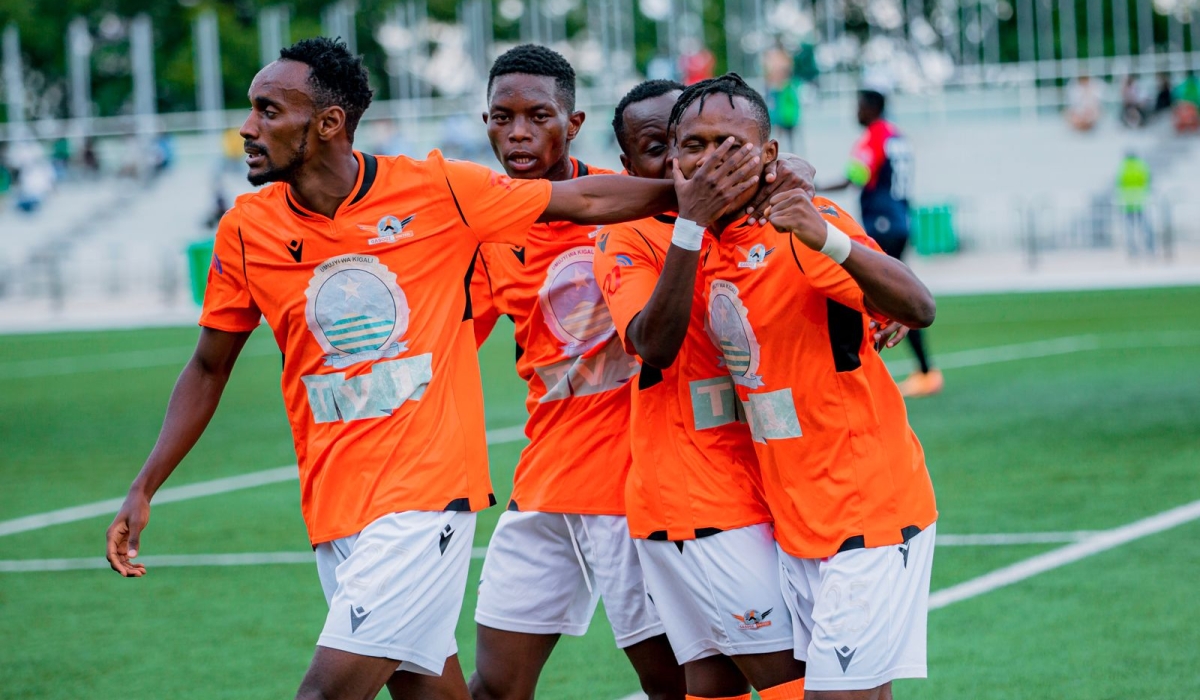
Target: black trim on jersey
(453, 196)
(665, 218)
(468, 312)
(700, 532)
(792, 245)
(369, 168)
(287, 195)
(512, 505)
(859, 542)
(519, 251)
(583, 169)
(845, 335)
(245, 273)
(648, 246)
(648, 377)
(463, 505)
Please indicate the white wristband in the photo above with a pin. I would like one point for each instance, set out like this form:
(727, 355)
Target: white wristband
(687, 234)
(837, 244)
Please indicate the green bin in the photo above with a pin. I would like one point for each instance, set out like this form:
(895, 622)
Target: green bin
(200, 256)
(933, 229)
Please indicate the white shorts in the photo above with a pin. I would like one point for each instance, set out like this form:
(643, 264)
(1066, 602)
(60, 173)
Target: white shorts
(545, 572)
(395, 590)
(859, 616)
(719, 594)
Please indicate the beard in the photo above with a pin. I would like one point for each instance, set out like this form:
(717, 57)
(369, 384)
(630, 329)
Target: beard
(280, 173)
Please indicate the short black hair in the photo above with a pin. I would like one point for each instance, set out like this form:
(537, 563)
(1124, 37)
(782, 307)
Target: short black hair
(532, 59)
(731, 85)
(873, 99)
(337, 76)
(641, 92)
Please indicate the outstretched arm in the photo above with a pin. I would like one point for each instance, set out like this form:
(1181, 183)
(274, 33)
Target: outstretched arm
(657, 332)
(608, 199)
(192, 404)
(889, 287)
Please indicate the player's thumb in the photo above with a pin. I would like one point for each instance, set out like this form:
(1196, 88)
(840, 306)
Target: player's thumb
(135, 539)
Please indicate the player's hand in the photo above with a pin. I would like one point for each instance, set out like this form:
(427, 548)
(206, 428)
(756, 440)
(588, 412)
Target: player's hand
(788, 172)
(887, 336)
(793, 211)
(125, 534)
(721, 178)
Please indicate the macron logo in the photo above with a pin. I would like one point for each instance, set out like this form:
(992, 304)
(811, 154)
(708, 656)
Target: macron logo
(357, 617)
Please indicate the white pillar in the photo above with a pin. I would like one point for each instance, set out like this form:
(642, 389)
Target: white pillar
(274, 32)
(79, 72)
(141, 49)
(14, 85)
(210, 93)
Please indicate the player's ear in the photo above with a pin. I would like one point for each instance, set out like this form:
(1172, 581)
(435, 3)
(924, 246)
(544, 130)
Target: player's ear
(330, 121)
(625, 164)
(770, 151)
(574, 123)
(484, 115)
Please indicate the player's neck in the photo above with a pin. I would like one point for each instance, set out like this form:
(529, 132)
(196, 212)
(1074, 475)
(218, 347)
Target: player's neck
(562, 170)
(323, 184)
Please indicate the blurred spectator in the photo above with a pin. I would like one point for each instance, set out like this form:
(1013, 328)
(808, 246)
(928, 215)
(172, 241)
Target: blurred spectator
(60, 156)
(1134, 103)
(1186, 98)
(164, 152)
(698, 65)
(1163, 99)
(1083, 103)
(89, 157)
(1133, 192)
(33, 175)
(783, 95)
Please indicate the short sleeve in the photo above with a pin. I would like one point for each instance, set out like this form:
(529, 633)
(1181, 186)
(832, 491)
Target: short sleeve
(228, 304)
(628, 269)
(496, 207)
(825, 275)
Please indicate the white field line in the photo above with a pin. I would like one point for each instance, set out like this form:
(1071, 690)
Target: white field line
(133, 359)
(139, 359)
(174, 560)
(26, 565)
(1010, 538)
(1057, 346)
(1097, 543)
(173, 494)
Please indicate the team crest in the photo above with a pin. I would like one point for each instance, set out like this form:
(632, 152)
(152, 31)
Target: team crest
(356, 310)
(730, 331)
(391, 229)
(756, 257)
(752, 620)
(572, 303)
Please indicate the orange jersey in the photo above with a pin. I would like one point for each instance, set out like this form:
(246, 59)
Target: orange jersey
(370, 309)
(840, 464)
(694, 469)
(575, 365)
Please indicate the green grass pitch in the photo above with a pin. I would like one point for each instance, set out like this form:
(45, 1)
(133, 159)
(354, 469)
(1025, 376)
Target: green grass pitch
(1097, 432)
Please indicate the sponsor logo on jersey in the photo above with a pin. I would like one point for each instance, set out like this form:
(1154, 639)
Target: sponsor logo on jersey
(572, 304)
(756, 257)
(356, 311)
(752, 619)
(729, 329)
(391, 229)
